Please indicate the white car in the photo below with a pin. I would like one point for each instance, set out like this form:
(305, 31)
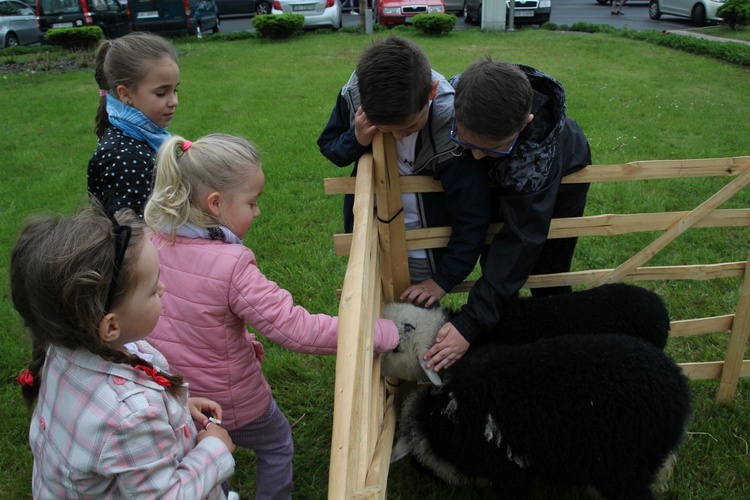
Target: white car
(699, 11)
(17, 24)
(318, 13)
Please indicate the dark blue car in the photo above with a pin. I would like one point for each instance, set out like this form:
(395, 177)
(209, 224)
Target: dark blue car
(174, 17)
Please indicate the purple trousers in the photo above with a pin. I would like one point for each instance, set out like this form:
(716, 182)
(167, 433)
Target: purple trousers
(270, 437)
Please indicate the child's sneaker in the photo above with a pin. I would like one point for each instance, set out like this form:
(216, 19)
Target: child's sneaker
(233, 495)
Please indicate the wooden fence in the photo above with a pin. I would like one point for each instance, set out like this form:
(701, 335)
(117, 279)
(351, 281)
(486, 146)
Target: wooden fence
(377, 272)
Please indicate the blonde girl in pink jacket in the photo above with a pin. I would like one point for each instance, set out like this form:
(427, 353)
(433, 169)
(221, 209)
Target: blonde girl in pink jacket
(204, 202)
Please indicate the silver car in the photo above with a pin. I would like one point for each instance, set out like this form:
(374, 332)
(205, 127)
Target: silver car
(700, 12)
(318, 13)
(17, 24)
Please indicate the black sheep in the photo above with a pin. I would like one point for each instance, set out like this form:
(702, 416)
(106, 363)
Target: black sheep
(605, 411)
(613, 308)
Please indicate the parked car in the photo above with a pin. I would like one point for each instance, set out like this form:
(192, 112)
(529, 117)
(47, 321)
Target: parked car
(454, 6)
(17, 24)
(700, 12)
(318, 13)
(109, 15)
(244, 7)
(393, 12)
(174, 17)
(525, 11)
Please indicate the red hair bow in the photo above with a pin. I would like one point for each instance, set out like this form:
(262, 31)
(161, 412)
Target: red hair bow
(154, 374)
(25, 378)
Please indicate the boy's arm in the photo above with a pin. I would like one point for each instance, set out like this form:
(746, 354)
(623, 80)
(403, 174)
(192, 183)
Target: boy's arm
(510, 258)
(338, 141)
(467, 197)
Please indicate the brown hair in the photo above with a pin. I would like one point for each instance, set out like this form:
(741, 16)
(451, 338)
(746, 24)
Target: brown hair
(493, 99)
(126, 61)
(394, 79)
(60, 273)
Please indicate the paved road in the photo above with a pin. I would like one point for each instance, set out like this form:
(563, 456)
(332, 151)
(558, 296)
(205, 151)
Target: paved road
(563, 12)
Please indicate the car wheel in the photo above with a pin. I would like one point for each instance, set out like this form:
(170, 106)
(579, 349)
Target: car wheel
(603, 2)
(263, 8)
(11, 40)
(699, 15)
(217, 28)
(467, 17)
(653, 10)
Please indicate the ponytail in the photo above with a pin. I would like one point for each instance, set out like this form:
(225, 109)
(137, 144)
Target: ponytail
(175, 385)
(170, 205)
(102, 118)
(30, 384)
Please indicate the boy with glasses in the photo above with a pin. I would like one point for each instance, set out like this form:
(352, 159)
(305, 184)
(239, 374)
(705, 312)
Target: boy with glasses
(512, 118)
(394, 90)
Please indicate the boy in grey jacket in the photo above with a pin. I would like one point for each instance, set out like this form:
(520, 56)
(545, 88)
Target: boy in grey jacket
(395, 91)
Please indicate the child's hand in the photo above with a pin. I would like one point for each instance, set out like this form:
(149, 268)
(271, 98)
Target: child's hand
(449, 347)
(363, 129)
(423, 294)
(215, 430)
(201, 409)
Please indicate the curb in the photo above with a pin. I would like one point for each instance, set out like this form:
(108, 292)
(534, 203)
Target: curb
(706, 37)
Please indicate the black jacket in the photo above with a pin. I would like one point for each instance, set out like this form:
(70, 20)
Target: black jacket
(550, 147)
(465, 204)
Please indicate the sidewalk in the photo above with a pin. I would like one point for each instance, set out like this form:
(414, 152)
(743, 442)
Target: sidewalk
(697, 34)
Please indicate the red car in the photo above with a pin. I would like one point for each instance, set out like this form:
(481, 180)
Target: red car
(393, 12)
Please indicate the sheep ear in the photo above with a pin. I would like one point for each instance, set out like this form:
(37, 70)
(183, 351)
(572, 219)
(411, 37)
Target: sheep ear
(431, 375)
(400, 450)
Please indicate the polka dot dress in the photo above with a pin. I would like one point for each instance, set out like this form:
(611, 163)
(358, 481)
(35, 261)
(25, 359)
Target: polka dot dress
(120, 173)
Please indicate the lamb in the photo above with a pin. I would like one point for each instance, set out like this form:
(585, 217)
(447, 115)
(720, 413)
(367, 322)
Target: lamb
(613, 308)
(605, 411)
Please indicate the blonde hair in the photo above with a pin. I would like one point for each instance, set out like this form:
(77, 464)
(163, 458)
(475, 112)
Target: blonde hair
(187, 172)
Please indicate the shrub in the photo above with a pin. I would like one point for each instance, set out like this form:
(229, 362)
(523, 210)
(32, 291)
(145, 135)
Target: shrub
(17, 50)
(735, 13)
(86, 37)
(434, 24)
(278, 26)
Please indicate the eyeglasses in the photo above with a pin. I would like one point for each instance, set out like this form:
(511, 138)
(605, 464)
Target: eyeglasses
(468, 145)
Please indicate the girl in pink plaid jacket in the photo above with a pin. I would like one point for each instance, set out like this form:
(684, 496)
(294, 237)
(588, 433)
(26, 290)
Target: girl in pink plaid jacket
(109, 420)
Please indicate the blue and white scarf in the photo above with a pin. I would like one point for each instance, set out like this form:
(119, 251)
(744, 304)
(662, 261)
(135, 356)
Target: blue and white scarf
(135, 124)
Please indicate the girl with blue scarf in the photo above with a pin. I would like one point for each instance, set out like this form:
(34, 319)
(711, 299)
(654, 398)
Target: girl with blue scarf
(138, 78)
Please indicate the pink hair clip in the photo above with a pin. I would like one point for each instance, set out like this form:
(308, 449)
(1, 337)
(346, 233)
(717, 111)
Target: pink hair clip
(103, 93)
(186, 145)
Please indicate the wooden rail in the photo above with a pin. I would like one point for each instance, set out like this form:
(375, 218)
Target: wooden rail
(377, 272)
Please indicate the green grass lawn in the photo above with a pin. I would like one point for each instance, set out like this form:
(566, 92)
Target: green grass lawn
(635, 101)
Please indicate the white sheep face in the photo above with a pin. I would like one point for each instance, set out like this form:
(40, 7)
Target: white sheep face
(417, 328)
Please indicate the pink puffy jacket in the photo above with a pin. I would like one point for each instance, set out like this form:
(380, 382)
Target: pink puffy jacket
(213, 289)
